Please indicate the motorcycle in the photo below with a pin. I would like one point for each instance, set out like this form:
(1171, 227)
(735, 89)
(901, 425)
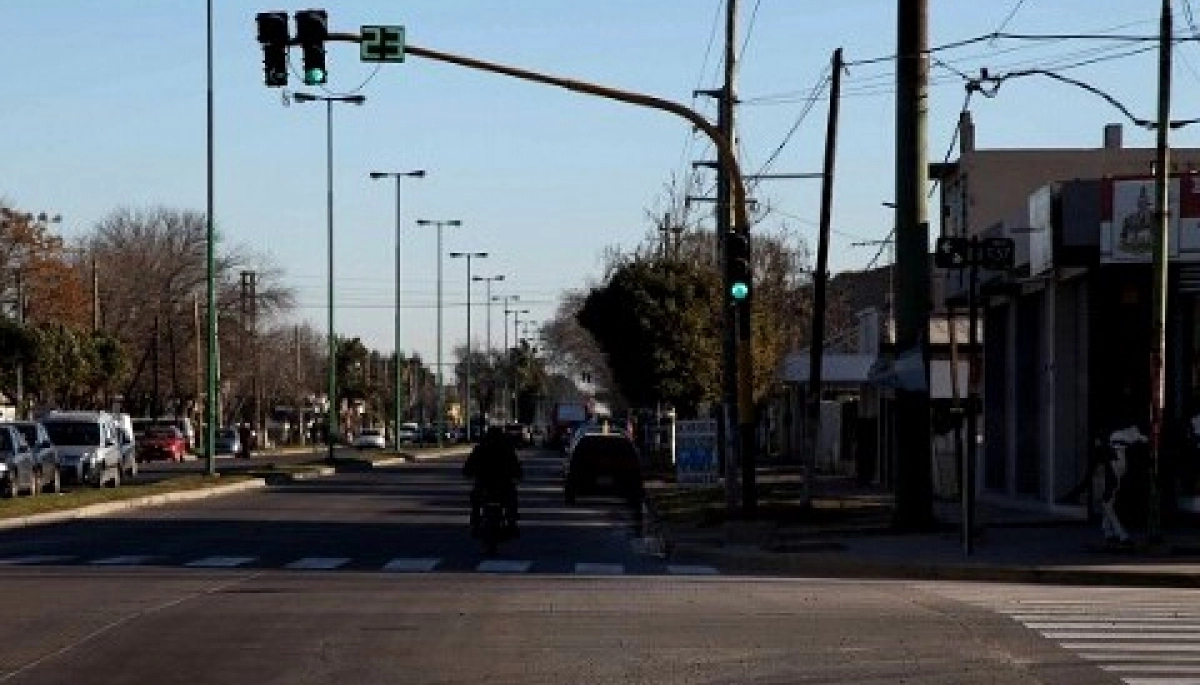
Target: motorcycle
(493, 522)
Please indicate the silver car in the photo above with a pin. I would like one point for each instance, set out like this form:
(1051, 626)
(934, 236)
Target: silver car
(16, 464)
(46, 464)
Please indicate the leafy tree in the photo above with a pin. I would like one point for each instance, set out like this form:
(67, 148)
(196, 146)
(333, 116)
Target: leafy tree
(657, 321)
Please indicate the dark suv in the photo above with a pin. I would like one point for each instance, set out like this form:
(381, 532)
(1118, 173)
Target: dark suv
(603, 461)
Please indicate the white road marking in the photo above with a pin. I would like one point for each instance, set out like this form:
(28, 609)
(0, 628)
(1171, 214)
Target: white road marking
(415, 565)
(692, 570)
(318, 563)
(219, 562)
(503, 566)
(589, 569)
(34, 559)
(123, 560)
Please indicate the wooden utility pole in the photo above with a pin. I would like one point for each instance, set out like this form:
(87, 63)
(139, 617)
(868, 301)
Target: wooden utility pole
(816, 349)
(912, 453)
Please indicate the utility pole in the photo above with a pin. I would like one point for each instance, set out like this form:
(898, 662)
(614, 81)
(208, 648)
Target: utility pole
(1158, 355)
(816, 349)
(914, 492)
(725, 124)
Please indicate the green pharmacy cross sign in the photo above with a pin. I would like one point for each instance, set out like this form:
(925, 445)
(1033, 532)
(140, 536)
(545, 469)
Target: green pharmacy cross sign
(382, 44)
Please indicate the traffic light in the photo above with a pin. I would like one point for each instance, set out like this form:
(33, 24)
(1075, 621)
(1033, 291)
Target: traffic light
(737, 264)
(312, 29)
(274, 36)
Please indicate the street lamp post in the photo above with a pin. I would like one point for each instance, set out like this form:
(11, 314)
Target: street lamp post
(398, 380)
(487, 281)
(441, 389)
(516, 342)
(505, 312)
(467, 394)
(331, 418)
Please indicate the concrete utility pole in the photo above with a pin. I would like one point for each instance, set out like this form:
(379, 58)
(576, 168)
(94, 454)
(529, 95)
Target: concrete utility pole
(821, 277)
(1158, 355)
(912, 450)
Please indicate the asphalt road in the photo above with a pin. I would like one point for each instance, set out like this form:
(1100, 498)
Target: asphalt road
(371, 578)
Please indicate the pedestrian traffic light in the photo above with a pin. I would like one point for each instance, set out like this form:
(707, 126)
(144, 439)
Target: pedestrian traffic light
(312, 29)
(274, 36)
(737, 264)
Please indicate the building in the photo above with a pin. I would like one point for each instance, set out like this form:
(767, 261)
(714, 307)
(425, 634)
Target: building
(1067, 333)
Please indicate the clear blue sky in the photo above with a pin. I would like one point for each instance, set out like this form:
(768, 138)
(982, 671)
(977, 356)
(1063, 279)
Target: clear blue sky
(104, 107)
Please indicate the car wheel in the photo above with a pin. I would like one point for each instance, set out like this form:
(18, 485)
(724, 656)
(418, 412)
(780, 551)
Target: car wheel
(10, 488)
(54, 486)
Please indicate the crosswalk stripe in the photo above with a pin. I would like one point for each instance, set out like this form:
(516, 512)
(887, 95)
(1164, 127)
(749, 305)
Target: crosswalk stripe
(1101, 635)
(589, 569)
(1152, 668)
(503, 566)
(318, 563)
(122, 560)
(691, 570)
(1131, 624)
(418, 565)
(1172, 680)
(34, 559)
(219, 562)
(1130, 647)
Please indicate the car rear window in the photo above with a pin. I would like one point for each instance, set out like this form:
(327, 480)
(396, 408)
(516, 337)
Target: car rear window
(74, 433)
(606, 449)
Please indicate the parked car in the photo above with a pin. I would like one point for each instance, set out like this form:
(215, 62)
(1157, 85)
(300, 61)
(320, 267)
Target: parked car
(45, 454)
(408, 433)
(370, 438)
(88, 446)
(162, 442)
(228, 442)
(603, 462)
(16, 463)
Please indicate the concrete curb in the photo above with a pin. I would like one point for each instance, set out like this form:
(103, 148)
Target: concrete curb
(105, 508)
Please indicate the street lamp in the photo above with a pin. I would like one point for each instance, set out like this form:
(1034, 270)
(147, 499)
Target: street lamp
(506, 311)
(487, 281)
(399, 388)
(516, 342)
(441, 408)
(331, 418)
(467, 395)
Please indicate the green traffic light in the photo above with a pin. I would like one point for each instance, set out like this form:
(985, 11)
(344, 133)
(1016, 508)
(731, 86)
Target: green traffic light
(739, 290)
(314, 77)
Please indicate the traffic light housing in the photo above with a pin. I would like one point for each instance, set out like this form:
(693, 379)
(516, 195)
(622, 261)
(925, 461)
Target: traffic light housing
(274, 36)
(737, 265)
(312, 30)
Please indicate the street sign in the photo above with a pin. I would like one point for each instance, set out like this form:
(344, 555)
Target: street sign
(996, 253)
(951, 252)
(696, 452)
(956, 252)
(382, 44)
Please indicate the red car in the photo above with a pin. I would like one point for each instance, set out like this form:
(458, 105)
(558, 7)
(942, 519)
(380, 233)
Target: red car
(162, 442)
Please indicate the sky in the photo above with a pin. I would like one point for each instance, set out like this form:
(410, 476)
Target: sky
(104, 107)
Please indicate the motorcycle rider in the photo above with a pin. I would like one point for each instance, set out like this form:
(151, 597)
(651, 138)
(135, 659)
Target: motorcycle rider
(493, 463)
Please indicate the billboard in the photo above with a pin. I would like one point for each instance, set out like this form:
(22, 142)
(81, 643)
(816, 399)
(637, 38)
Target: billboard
(1128, 221)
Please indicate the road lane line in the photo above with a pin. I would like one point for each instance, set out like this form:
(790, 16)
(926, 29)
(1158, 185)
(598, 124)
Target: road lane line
(219, 562)
(122, 560)
(34, 559)
(318, 563)
(503, 566)
(692, 570)
(415, 565)
(589, 569)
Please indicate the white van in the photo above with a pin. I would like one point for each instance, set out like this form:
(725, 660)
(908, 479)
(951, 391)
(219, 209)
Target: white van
(89, 446)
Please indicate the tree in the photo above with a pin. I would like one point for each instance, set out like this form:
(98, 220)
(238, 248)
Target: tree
(152, 269)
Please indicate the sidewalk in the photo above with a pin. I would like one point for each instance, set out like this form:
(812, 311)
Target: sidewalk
(847, 533)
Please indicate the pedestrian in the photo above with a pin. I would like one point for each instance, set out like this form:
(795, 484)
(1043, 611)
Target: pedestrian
(1115, 469)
